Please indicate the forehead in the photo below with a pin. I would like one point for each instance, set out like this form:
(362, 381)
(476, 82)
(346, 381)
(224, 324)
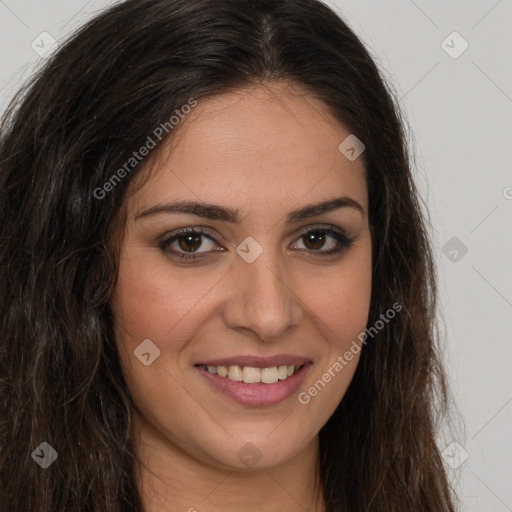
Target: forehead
(260, 145)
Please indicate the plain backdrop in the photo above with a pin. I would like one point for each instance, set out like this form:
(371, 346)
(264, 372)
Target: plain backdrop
(451, 65)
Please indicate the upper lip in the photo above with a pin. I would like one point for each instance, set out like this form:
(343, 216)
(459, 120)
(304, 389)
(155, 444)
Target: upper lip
(258, 362)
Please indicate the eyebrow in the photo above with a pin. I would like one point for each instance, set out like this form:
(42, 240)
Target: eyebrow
(222, 213)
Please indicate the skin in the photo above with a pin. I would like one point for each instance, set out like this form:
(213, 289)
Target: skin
(264, 150)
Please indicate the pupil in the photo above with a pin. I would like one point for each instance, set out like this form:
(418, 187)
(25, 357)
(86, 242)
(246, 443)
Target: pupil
(190, 238)
(317, 239)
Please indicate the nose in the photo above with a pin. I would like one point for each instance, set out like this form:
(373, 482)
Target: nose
(265, 302)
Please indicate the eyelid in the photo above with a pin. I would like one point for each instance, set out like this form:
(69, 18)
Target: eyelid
(324, 227)
(166, 239)
(212, 233)
(204, 231)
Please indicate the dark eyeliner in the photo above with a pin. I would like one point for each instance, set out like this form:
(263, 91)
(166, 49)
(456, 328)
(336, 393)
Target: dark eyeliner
(344, 242)
(341, 237)
(168, 239)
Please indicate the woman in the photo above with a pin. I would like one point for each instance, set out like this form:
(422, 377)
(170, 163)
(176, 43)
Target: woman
(218, 290)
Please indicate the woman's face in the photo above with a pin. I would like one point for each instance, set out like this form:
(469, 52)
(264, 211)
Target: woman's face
(261, 293)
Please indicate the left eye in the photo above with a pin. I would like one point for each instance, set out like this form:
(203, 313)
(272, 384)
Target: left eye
(187, 242)
(316, 240)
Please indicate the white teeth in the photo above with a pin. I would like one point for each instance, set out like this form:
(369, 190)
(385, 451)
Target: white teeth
(269, 375)
(235, 373)
(252, 375)
(222, 371)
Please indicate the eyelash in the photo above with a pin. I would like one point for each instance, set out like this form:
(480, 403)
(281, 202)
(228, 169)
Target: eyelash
(344, 242)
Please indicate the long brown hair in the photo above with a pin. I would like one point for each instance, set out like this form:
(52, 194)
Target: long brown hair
(63, 137)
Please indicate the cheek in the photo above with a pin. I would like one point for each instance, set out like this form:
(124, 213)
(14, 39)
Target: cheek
(150, 301)
(341, 306)
(169, 305)
(341, 299)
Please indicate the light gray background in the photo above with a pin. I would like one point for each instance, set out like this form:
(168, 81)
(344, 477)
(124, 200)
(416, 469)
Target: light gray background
(460, 113)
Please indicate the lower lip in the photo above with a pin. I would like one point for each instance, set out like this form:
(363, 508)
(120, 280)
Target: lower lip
(257, 394)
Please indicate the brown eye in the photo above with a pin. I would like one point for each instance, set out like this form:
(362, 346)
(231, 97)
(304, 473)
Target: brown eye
(314, 241)
(189, 242)
(185, 243)
(317, 238)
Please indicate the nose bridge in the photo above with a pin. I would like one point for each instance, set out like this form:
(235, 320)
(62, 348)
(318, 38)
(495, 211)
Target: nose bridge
(265, 302)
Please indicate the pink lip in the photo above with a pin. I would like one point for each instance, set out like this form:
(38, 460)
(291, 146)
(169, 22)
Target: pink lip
(256, 394)
(257, 361)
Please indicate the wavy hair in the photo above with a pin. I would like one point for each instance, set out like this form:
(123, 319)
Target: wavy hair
(75, 123)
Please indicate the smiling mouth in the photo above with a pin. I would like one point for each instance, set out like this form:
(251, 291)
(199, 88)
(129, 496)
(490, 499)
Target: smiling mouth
(251, 374)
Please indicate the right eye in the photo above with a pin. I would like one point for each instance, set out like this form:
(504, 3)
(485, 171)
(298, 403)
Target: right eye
(185, 243)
